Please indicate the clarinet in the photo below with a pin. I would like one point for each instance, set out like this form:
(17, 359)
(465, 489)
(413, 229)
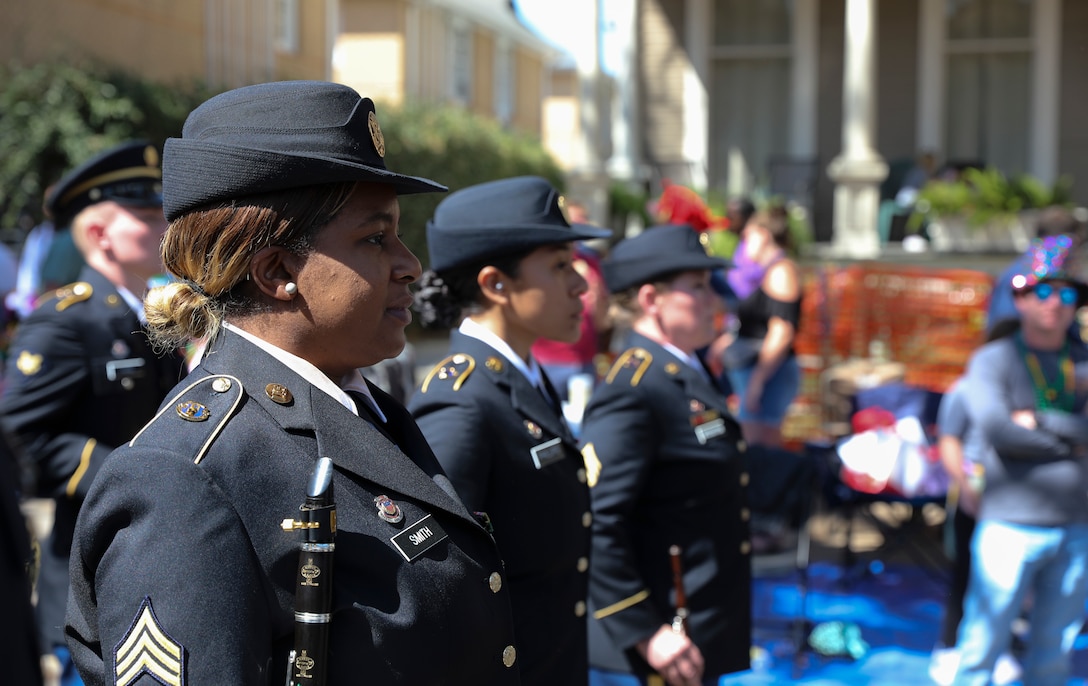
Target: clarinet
(680, 620)
(307, 662)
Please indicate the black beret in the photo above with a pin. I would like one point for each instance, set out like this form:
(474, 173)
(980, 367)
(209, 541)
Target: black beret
(497, 218)
(273, 137)
(128, 174)
(656, 252)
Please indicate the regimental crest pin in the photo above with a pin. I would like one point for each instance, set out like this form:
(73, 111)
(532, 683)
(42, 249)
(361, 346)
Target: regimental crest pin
(534, 430)
(388, 510)
(192, 411)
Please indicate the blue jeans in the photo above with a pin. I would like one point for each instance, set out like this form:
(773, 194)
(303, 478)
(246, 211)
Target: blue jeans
(778, 392)
(1006, 561)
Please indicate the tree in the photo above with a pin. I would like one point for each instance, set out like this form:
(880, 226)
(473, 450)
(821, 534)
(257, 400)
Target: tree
(54, 116)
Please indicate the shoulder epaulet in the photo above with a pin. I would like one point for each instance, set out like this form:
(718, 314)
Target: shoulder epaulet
(454, 368)
(194, 417)
(630, 366)
(73, 293)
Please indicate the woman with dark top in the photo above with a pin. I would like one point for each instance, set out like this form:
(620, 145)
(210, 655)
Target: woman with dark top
(666, 468)
(502, 254)
(760, 361)
(284, 241)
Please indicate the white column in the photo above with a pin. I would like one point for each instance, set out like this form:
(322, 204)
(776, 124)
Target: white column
(932, 30)
(859, 169)
(1046, 86)
(696, 132)
(805, 79)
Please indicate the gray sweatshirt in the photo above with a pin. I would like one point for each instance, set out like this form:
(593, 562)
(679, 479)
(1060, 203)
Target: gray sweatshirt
(1039, 476)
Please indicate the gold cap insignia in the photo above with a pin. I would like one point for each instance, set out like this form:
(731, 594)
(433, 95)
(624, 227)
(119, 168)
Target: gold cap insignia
(147, 648)
(151, 156)
(278, 393)
(494, 364)
(376, 134)
(192, 411)
(29, 363)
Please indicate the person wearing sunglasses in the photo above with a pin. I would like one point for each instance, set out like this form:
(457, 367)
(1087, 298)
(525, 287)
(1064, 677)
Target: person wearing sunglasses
(1031, 537)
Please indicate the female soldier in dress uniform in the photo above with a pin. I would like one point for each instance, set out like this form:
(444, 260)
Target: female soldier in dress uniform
(503, 253)
(666, 468)
(284, 240)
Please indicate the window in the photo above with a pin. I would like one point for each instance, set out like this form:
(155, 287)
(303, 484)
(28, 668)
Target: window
(988, 94)
(461, 63)
(285, 22)
(504, 82)
(750, 90)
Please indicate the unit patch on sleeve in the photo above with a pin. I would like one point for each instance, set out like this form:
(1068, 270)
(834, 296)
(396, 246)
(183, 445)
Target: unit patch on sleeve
(147, 648)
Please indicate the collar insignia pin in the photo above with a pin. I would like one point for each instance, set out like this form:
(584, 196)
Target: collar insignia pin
(278, 393)
(534, 430)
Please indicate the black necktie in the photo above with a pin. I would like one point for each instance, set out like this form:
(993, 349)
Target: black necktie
(367, 413)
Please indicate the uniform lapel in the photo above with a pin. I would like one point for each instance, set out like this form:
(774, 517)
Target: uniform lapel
(526, 399)
(353, 443)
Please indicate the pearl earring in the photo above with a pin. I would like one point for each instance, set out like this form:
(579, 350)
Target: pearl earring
(291, 287)
(498, 286)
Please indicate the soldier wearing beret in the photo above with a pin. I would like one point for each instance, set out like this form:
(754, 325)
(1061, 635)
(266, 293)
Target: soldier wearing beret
(666, 468)
(284, 240)
(82, 377)
(502, 254)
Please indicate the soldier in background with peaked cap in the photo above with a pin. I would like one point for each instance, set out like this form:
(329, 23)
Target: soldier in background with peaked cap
(82, 378)
(666, 468)
(285, 243)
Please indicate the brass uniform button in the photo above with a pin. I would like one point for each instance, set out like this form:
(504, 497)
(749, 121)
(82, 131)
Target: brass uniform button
(745, 514)
(509, 656)
(742, 446)
(581, 475)
(494, 582)
(580, 608)
(745, 547)
(587, 519)
(744, 478)
(221, 385)
(583, 564)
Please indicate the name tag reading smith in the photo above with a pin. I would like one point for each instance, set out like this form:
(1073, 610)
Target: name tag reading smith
(419, 538)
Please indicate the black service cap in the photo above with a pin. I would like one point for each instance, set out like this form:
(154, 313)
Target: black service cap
(656, 252)
(274, 137)
(499, 218)
(128, 174)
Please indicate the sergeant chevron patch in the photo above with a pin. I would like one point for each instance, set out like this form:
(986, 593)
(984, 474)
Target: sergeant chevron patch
(147, 648)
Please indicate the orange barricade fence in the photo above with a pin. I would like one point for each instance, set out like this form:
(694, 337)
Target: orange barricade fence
(930, 320)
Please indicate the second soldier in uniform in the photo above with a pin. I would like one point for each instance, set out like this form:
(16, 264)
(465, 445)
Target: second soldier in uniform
(503, 255)
(666, 469)
(83, 378)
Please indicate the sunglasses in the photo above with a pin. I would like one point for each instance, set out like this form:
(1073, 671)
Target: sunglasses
(1068, 294)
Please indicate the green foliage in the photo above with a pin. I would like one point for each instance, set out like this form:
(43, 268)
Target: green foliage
(54, 116)
(457, 149)
(623, 202)
(982, 195)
